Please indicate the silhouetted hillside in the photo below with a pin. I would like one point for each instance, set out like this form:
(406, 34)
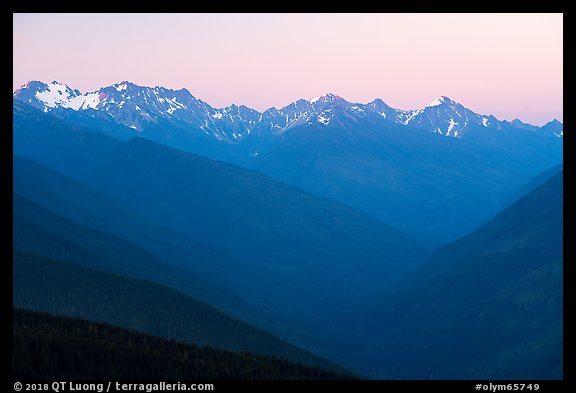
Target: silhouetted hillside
(48, 347)
(66, 289)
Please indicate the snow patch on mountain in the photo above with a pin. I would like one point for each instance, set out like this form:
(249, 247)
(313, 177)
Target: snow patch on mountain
(92, 100)
(55, 95)
(436, 102)
(450, 126)
(322, 118)
(412, 115)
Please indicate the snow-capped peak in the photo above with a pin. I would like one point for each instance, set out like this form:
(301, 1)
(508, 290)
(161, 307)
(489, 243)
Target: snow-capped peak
(436, 102)
(55, 94)
(439, 101)
(328, 97)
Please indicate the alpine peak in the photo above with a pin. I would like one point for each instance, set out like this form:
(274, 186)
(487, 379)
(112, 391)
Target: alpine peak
(440, 100)
(328, 97)
(123, 85)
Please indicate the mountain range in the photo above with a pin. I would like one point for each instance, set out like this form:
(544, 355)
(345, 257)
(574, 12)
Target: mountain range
(141, 108)
(224, 218)
(375, 158)
(421, 244)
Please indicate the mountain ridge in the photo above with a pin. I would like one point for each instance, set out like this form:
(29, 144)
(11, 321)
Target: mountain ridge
(141, 107)
(103, 351)
(122, 301)
(501, 284)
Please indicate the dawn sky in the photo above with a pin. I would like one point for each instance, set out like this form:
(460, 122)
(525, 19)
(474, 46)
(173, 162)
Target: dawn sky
(508, 65)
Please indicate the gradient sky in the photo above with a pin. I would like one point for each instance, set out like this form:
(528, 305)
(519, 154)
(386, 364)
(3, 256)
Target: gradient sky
(508, 65)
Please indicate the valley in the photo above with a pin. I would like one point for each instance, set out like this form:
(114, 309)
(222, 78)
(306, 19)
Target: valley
(354, 238)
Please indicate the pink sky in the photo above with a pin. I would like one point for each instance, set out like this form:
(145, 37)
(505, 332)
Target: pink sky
(508, 65)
